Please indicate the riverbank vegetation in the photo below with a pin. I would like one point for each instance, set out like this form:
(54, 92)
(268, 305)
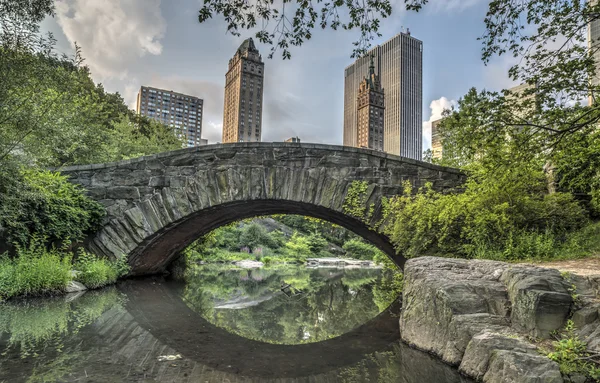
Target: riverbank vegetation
(280, 239)
(522, 200)
(39, 270)
(52, 114)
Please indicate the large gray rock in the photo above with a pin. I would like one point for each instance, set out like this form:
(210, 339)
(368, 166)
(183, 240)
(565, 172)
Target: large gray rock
(470, 313)
(540, 299)
(447, 301)
(476, 360)
(507, 366)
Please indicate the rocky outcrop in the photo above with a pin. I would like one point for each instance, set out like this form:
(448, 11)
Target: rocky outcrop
(586, 316)
(478, 315)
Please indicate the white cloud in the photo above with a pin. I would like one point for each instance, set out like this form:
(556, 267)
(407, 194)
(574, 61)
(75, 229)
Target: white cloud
(437, 108)
(113, 34)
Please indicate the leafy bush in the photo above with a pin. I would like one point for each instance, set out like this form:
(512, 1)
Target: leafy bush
(96, 272)
(572, 355)
(507, 218)
(34, 271)
(298, 247)
(358, 249)
(45, 203)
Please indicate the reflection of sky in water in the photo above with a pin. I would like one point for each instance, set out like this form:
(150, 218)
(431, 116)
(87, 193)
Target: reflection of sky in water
(287, 304)
(118, 334)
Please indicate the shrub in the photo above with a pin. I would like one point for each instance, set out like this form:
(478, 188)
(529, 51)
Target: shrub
(266, 260)
(298, 248)
(572, 355)
(45, 203)
(509, 219)
(96, 272)
(358, 249)
(34, 271)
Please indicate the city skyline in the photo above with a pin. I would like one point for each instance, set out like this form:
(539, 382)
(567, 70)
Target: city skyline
(165, 47)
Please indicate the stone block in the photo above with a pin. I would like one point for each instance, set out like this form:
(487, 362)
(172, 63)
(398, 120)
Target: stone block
(539, 298)
(123, 192)
(97, 193)
(585, 316)
(476, 359)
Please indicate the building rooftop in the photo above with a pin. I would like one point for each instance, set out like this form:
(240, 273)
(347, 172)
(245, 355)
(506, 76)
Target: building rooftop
(247, 45)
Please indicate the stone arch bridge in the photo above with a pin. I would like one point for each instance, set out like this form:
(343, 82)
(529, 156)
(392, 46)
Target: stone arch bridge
(157, 205)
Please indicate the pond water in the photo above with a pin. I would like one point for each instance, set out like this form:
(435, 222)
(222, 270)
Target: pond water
(222, 324)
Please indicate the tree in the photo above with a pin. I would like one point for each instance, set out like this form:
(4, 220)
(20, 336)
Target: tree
(549, 37)
(253, 236)
(355, 248)
(286, 24)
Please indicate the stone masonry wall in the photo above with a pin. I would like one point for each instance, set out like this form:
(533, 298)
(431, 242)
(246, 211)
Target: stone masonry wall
(148, 197)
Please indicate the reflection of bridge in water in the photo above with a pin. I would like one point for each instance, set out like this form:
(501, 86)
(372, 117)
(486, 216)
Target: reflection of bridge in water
(124, 344)
(162, 312)
(159, 204)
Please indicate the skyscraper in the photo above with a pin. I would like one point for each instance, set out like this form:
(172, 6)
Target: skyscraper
(399, 64)
(242, 113)
(437, 149)
(180, 111)
(370, 107)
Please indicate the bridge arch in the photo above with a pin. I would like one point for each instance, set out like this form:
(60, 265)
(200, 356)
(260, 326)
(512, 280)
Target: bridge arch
(157, 205)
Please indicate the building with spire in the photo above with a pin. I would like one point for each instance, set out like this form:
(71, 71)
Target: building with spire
(242, 113)
(370, 107)
(399, 65)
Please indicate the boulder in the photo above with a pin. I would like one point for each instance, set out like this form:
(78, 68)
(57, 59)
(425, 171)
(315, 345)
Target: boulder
(507, 366)
(75, 286)
(540, 299)
(476, 314)
(447, 301)
(477, 356)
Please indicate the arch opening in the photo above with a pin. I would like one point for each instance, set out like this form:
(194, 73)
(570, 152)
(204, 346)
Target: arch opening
(156, 252)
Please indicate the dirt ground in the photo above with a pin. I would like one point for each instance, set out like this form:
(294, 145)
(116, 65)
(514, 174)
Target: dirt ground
(584, 266)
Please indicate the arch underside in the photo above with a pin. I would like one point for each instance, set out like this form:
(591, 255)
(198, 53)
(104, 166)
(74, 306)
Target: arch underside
(157, 251)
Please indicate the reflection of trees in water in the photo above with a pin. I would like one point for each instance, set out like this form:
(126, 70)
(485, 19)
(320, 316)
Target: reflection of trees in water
(44, 322)
(333, 301)
(42, 327)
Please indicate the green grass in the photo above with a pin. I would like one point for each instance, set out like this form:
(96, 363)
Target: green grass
(34, 271)
(96, 272)
(545, 247)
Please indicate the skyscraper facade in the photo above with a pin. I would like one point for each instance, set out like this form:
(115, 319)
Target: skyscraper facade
(437, 149)
(399, 62)
(370, 107)
(180, 111)
(242, 113)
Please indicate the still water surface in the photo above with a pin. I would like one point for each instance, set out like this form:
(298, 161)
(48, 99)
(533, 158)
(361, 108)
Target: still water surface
(223, 324)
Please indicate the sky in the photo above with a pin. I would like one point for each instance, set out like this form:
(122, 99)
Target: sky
(160, 43)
